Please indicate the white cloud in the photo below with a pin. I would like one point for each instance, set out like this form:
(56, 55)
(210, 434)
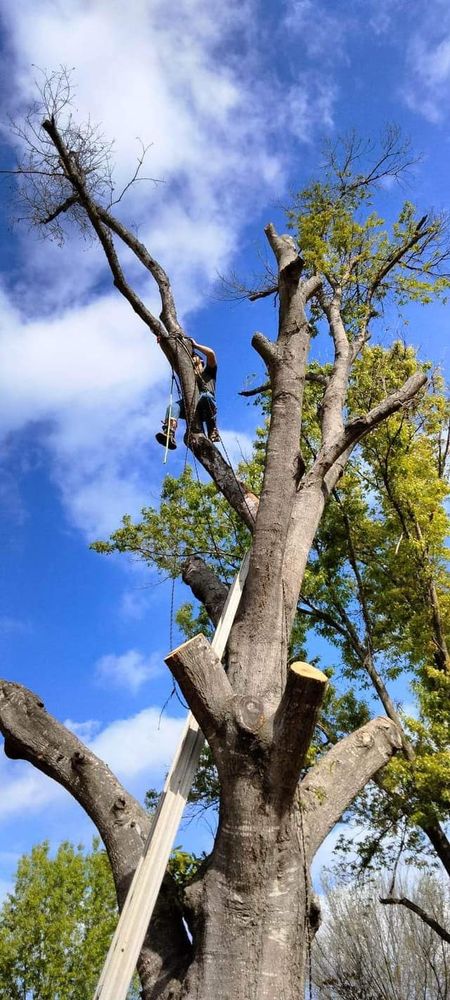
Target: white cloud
(323, 32)
(138, 745)
(427, 77)
(77, 363)
(129, 670)
(84, 730)
(25, 790)
(9, 624)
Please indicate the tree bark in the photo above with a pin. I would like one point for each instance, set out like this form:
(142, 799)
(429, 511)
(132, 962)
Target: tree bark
(32, 734)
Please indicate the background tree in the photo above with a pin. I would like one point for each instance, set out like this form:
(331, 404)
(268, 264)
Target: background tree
(259, 713)
(56, 924)
(365, 951)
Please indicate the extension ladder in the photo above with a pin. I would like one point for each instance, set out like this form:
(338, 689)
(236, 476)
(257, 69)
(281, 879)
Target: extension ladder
(135, 917)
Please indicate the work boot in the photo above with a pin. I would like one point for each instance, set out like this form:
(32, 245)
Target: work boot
(213, 433)
(162, 438)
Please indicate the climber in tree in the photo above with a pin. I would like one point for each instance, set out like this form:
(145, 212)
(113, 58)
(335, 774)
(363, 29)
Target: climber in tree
(206, 374)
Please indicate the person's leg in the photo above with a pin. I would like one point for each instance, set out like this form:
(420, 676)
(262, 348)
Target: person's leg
(207, 410)
(170, 423)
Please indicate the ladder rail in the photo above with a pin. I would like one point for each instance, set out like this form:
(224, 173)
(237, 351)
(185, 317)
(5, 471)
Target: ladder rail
(137, 910)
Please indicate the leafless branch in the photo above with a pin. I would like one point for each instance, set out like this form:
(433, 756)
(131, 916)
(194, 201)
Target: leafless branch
(414, 908)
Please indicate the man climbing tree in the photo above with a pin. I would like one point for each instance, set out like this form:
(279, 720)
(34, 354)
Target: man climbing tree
(243, 929)
(205, 377)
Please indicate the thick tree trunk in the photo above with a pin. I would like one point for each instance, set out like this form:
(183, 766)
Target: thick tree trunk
(251, 931)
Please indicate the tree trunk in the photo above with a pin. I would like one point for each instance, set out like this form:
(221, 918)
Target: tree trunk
(251, 927)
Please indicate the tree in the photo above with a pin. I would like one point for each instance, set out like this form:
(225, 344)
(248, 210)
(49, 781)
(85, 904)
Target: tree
(56, 924)
(365, 952)
(373, 604)
(378, 588)
(259, 712)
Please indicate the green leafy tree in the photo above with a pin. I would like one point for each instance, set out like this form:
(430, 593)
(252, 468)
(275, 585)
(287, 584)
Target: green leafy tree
(376, 586)
(378, 589)
(56, 924)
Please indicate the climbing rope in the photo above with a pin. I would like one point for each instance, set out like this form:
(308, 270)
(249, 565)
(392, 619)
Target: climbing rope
(169, 418)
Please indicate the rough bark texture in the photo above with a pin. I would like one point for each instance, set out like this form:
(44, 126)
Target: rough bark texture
(32, 734)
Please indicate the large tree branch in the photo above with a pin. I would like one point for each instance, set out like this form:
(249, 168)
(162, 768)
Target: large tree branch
(335, 394)
(77, 180)
(203, 681)
(33, 735)
(173, 344)
(358, 427)
(169, 313)
(285, 249)
(332, 784)
(294, 723)
(205, 586)
(430, 921)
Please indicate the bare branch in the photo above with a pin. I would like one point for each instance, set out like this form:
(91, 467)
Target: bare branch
(414, 908)
(266, 348)
(263, 293)
(358, 427)
(203, 681)
(294, 722)
(72, 200)
(332, 784)
(205, 586)
(135, 176)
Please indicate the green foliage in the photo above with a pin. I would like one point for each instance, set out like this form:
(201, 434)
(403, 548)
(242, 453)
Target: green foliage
(377, 587)
(341, 236)
(56, 925)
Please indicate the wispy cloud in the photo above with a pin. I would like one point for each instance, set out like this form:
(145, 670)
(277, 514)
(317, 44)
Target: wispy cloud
(427, 76)
(75, 362)
(130, 670)
(140, 745)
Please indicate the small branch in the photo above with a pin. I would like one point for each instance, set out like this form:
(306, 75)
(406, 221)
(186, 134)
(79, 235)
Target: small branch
(256, 392)
(266, 349)
(263, 293)
(430, 921)
(357, 428)
(61, 208)
(135, 176)
(332, 784)
(295, 720)
(203, 681)
(313, 377)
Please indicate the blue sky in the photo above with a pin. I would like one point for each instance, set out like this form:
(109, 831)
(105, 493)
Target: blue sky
(236, 100)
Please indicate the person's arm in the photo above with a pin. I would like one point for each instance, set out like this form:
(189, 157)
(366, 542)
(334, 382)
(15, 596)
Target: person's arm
(207, 351)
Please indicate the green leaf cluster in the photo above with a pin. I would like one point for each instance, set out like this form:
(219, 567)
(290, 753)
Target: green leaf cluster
(56, 924)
